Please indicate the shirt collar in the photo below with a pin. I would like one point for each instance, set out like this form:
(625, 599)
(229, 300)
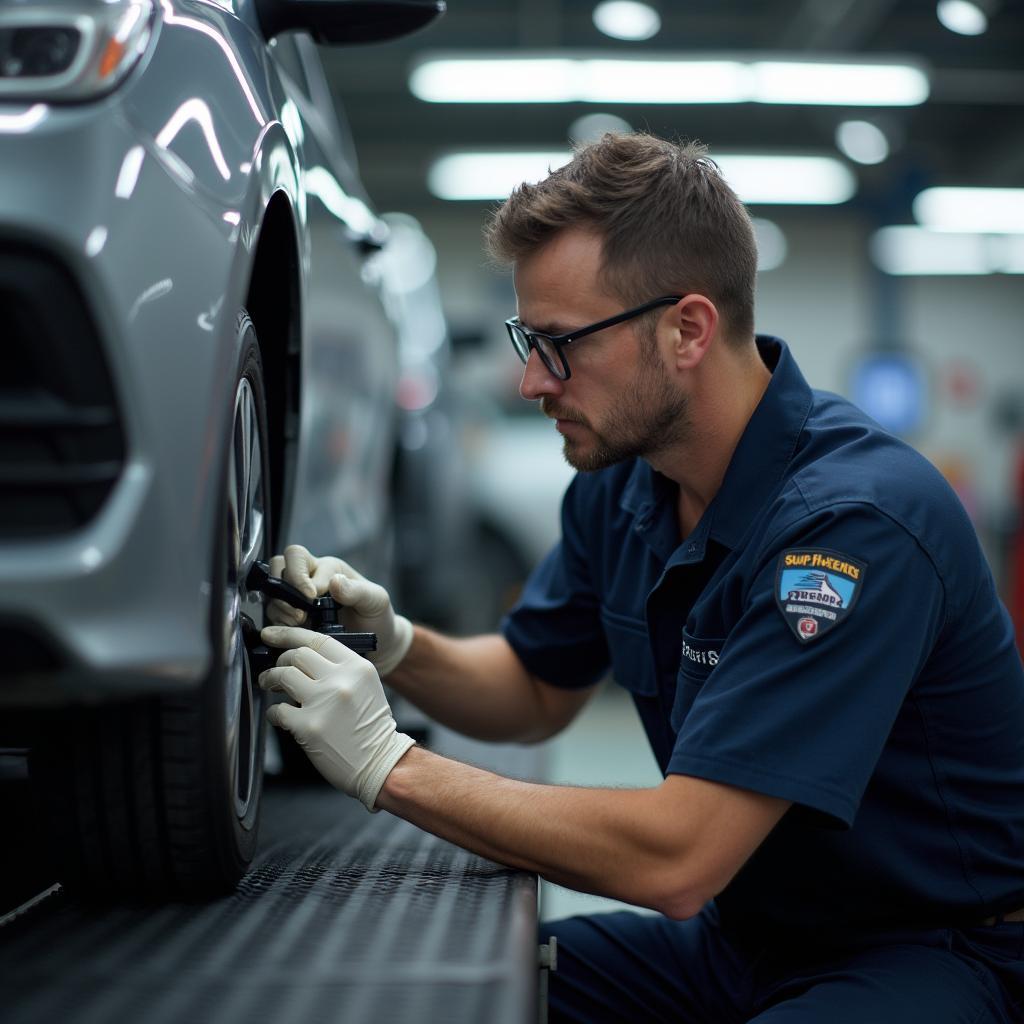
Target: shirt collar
(764, 451)
(766, 446)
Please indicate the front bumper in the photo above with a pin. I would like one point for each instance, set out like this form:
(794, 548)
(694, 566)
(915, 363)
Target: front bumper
(105, 592)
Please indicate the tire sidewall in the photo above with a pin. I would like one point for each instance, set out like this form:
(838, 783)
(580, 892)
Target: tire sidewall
(236, 838)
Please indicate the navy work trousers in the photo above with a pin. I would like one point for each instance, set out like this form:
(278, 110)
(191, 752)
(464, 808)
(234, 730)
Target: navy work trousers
(635, 968)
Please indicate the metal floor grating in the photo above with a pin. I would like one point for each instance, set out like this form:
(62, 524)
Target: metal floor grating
(345, 917)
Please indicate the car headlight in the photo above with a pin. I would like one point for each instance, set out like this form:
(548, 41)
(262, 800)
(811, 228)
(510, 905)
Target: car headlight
(60, 50)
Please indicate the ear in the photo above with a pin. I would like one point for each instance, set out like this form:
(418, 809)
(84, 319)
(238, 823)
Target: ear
(695, 322)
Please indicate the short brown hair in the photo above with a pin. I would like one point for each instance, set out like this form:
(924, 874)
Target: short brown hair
(669, 223)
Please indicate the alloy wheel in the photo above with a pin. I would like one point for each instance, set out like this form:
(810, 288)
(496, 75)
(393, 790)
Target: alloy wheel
(246, 526)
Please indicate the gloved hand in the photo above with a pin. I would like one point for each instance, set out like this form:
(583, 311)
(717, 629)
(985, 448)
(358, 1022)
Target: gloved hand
(367, 605)
(343, 721)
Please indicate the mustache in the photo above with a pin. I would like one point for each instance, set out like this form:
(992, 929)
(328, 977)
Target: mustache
(556, 412)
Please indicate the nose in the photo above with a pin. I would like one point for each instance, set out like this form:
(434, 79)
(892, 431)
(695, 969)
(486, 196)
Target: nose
(538, 380)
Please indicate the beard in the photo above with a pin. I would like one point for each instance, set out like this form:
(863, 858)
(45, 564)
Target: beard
(649, 417)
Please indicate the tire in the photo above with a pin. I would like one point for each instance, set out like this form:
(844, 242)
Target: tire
(161, 799)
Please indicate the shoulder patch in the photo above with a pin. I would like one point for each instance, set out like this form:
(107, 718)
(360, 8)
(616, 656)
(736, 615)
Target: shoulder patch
(816, 589)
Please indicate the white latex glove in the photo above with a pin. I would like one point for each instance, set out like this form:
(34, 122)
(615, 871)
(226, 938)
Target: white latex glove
(343, 721)
(367, 605)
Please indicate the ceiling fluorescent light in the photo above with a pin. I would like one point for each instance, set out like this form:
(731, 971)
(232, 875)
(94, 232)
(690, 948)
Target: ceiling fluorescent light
(805, 180)
(862, 141)
(800, 180)
(911, 250)
(562, 80)
(540, 80)
(771, 244)
(543, 79)
(591, 127)
(1011, 256)
(851, 85)
(987, 210)
(489, 175)
(626, 19)
(962, 17)
(662, 81)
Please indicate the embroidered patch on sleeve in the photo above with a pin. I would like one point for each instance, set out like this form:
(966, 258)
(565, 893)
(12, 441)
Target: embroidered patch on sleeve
(816, 589)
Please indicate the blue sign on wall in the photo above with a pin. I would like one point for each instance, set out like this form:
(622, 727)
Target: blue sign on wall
(891, 388)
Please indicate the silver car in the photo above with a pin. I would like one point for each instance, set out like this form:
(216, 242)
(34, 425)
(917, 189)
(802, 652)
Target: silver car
(192, 335)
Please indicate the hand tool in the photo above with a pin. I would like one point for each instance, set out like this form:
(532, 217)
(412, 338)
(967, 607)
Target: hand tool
(322, 615)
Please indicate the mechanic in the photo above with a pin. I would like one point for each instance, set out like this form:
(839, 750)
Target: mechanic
(796, 601)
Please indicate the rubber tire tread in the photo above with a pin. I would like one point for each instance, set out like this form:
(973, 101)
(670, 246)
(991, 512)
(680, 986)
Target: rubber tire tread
(96, 781)
(122, 792)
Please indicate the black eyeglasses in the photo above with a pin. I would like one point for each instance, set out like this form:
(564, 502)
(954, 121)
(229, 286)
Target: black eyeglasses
(550, 347)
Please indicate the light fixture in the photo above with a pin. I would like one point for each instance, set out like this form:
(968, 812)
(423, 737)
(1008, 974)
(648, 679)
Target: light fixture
(892, 388)
(627, 19)
(591, 127)
(549, 79)
(839, 83)
(569, 80)
(962, 16)
(490, 175)
(790, 180)
(990, 210)
(771, 244)
(862, 141)
(911, 250)
(768, 179)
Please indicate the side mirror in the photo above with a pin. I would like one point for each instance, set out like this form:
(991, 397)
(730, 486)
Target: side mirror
(348, 21)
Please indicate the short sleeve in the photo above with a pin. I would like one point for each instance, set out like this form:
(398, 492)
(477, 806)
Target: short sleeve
(555, 627)
(838, 621)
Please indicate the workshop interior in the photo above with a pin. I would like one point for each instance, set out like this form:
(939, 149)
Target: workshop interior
(245, 303)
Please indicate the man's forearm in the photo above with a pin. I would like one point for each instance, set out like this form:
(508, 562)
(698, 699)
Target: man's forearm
(671, 847)
(476, 686)
(604, 841)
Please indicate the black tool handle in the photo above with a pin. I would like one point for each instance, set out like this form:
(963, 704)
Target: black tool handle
(259, 578)
(323, 614)
(361, 643)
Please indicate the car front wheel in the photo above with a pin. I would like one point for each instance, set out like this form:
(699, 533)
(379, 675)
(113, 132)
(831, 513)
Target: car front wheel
(161, 798)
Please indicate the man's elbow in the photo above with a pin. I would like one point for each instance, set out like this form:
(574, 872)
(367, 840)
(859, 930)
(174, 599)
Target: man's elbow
(680, 904)
(672, 893)
(541, 731)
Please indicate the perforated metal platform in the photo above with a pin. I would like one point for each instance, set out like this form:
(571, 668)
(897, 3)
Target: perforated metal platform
(345, 917)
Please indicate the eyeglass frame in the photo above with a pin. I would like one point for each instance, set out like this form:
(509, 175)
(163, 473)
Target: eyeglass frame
(558, 341)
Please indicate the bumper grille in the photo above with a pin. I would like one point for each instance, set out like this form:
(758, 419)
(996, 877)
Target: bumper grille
(61, 444)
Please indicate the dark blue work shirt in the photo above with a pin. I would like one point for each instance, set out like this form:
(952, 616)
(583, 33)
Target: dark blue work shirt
(829, 633)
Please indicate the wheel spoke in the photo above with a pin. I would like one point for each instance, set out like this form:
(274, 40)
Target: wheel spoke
(243, 411)
(247, 522)
(253, 511)
(234, 512)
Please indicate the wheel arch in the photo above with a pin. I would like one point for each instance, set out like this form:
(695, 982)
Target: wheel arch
(273, 300)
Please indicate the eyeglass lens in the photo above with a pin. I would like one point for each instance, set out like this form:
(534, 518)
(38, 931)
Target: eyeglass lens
(545, 349)
(519, 342)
